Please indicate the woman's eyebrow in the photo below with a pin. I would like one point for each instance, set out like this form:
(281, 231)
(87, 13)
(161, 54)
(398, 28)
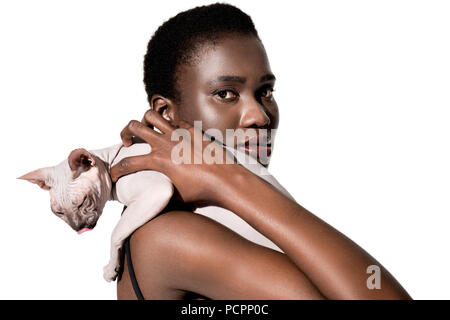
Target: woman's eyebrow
(228, 78)
(267, 77)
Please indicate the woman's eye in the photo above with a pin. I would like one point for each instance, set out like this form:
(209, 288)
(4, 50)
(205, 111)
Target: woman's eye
(267, 93)
(226, 94)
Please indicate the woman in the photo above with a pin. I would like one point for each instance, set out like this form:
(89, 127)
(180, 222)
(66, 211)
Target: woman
(209, 64)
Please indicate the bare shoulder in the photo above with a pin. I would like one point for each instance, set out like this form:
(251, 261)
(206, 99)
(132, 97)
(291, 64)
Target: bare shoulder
(180, 252)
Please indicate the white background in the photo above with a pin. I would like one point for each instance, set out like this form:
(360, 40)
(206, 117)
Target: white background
(363, 91)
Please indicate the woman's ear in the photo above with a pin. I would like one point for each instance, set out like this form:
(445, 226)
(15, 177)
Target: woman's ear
(165, 107)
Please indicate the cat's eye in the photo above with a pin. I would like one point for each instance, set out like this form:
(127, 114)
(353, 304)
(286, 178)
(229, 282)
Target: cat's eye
(59, 213)
(84, 199)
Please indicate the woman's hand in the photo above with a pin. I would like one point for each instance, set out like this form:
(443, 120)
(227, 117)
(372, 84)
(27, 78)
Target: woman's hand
(196, 181)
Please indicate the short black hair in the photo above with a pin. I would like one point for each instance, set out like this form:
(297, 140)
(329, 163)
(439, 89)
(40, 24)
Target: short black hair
(176, 42)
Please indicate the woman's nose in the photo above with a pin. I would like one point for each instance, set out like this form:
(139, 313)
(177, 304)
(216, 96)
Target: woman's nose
(254, 115)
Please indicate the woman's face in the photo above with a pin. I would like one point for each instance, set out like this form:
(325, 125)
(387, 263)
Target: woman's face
(230, 87)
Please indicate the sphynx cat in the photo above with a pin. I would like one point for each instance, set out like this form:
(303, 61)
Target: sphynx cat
(80, 186)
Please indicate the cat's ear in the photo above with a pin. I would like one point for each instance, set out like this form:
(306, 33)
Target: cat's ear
(80, 160)
(39, 177)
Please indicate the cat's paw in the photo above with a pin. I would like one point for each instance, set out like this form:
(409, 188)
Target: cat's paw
(110, 272)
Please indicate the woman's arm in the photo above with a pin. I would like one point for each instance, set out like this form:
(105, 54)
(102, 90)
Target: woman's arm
(335, 264)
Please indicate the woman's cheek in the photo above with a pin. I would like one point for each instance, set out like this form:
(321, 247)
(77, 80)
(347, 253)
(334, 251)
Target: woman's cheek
(213, 114)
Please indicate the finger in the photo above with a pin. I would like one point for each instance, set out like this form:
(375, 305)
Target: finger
(130, 165)
(154, 118)
(143, 121)
(137, 129)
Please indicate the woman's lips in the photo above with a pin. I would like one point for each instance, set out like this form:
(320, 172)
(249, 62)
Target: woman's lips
(257, 146)
(260, 150)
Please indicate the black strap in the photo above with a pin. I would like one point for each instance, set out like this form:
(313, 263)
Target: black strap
(134, 283)
(126, 247)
